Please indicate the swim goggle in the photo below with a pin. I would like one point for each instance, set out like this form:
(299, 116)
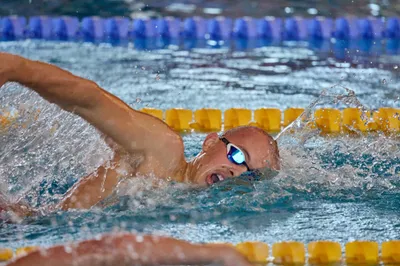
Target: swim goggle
(234, 153)
(238, 157)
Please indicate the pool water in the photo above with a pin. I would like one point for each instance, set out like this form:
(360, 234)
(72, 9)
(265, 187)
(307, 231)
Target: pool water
(180, 8)
(340, 188)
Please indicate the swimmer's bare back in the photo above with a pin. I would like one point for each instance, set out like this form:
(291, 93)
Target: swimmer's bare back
(139, 134)
(129, 249)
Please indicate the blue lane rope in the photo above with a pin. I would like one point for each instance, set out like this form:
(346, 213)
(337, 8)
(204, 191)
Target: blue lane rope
(339, 35)
(117, 28)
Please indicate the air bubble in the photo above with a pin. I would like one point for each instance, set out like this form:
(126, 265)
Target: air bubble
(289, 10)
(384, 81)
(395, 67)
(138, 100)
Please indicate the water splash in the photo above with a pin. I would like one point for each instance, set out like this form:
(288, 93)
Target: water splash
(346, 166)
(45, 149)
(336, 96)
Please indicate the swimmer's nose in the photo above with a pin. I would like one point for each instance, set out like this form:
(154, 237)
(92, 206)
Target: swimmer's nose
(237, 170)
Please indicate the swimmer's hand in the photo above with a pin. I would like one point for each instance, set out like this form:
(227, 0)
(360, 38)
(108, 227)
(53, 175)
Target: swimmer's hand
(129, 249)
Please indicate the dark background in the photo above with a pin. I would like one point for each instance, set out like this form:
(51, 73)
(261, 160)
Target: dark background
(185, 8)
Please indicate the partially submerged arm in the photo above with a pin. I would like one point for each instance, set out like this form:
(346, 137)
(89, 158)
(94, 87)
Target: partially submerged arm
(130, 249)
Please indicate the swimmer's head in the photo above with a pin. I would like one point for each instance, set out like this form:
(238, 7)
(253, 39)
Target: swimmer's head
(213, 163)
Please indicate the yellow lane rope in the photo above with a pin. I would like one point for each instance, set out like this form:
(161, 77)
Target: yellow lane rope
(272, 120)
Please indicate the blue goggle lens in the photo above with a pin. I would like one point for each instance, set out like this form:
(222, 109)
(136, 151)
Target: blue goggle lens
(236, 156)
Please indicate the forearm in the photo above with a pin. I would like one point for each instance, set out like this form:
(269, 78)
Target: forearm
(51, 82)
(128, 250)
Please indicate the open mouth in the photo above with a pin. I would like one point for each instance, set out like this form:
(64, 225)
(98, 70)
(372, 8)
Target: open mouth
(214, 178)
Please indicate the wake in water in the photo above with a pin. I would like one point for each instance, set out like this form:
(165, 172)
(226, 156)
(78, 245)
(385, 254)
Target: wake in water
(353, 161)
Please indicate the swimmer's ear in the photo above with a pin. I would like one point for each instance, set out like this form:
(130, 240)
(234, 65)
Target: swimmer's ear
(210, 140)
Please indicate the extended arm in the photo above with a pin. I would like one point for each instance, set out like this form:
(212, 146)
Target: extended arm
(136, 132)
(129, 249)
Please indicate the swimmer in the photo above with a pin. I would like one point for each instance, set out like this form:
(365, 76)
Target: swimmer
(143, 145)
(129, 249)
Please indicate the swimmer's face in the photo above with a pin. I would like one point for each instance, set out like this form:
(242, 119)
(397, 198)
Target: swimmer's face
(212, 164)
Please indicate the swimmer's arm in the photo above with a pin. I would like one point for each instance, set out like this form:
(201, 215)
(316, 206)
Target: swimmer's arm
(135, 131)
(129, 249)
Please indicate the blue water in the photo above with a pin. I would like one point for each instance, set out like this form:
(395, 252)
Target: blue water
(338, 189)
